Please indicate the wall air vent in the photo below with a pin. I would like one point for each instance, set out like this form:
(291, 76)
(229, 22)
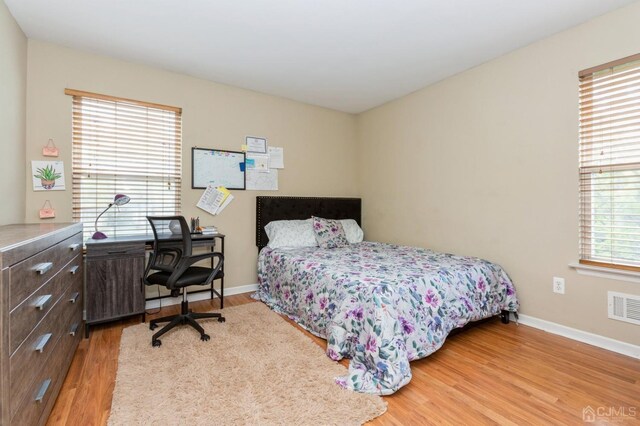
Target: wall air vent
(624, 307)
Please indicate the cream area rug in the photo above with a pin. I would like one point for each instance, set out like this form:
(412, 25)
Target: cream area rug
(257, 369)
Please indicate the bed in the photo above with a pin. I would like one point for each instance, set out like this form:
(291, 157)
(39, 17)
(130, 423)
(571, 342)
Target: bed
(381, 305)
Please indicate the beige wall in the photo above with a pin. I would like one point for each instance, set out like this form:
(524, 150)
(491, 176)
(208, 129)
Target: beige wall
(13, 77)
(485, 164)
(319, 144)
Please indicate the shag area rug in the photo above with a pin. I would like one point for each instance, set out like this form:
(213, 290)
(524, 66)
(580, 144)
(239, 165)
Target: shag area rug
(257, 369)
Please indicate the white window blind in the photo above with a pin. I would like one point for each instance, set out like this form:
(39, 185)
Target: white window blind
(121, 146)
(610, 164)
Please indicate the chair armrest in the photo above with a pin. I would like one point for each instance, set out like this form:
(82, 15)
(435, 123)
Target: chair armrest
(190, 260)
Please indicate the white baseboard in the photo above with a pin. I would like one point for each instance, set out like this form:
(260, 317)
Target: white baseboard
(551, 327)
(582, 336)
(153, 304)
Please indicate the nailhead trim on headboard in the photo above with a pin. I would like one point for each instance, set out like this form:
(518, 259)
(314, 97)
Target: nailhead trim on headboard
(269, 208)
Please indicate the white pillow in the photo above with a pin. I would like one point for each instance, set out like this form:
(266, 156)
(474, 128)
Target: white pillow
(352, 230)
(290, 234)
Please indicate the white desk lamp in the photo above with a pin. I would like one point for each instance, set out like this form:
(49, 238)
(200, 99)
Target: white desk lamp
(118, 200)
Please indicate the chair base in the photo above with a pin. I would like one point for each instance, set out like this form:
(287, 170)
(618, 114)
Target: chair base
(186, 317)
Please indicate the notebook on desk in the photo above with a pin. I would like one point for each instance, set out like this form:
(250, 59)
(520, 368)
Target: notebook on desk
(209, 230)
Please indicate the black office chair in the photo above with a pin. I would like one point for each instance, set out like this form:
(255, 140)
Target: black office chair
(171, 265)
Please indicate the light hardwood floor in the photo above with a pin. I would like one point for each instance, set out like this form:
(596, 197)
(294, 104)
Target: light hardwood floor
(491, 374)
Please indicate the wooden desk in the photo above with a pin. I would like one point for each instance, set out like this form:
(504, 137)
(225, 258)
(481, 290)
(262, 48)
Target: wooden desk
(114, 269)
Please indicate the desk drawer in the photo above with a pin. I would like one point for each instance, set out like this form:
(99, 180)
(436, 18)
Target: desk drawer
(30, 274)
(116, 250)
(27, 315)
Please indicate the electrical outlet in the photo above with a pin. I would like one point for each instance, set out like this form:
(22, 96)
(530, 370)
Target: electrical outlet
(558, 285)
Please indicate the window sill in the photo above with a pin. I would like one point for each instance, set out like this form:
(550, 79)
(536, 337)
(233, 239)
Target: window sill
(599, 271)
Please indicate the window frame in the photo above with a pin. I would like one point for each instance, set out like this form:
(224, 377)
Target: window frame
(124, 131)
(585, 172)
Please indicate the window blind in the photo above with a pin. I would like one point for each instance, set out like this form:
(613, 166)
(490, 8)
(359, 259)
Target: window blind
(122, 146)
(610, 164)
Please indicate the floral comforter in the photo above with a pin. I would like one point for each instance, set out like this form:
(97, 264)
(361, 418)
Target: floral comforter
(381, 305)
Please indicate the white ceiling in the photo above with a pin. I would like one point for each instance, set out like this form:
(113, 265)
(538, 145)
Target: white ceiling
(348, 55)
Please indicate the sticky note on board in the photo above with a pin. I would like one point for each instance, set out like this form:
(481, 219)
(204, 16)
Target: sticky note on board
(241, 167)
(244, 148)
(251, 163)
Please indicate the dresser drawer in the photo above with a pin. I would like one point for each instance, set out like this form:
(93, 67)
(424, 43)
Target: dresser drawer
(45, 385)
(48, 341)
(33, 355)
(67, 346)
(72, 304)
(28, 314)
(37, 260)
(71, 334)
(30, 274)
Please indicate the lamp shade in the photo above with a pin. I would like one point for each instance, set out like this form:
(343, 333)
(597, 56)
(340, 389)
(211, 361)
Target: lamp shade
(118, 200)
(121, 199)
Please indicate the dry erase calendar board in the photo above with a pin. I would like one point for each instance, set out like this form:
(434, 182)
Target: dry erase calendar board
(217, 167)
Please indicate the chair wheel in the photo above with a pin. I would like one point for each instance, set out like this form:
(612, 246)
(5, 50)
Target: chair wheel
(156, 343)
(221, 319)
(152, 326)
(204, 337)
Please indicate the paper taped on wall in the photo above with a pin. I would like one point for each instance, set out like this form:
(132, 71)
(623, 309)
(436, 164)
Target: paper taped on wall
(214, 200)
(258, 181)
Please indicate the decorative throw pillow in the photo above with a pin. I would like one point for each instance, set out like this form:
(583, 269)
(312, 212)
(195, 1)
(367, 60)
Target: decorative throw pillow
(352, 230)
(329, 233)
(290, 234)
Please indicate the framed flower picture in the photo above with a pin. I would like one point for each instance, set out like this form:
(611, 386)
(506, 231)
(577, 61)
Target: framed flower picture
(47, 175)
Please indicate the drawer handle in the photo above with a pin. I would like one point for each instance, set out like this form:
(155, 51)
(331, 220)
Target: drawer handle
(73, 329)
(74, 297)
(74, 247)
(43, 342)
(43, 268)
(74, 269)
(117, 252)
(42, 301)
(43, 389)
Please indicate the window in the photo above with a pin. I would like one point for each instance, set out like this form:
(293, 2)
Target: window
(610, 164)
(126, 147)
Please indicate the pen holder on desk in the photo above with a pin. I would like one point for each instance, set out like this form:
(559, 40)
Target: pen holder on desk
(195, 224)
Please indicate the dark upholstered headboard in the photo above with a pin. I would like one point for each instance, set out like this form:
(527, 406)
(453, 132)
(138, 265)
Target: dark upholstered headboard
(292, 208)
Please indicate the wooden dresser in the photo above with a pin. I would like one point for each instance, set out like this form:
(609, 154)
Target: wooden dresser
(41, 298)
